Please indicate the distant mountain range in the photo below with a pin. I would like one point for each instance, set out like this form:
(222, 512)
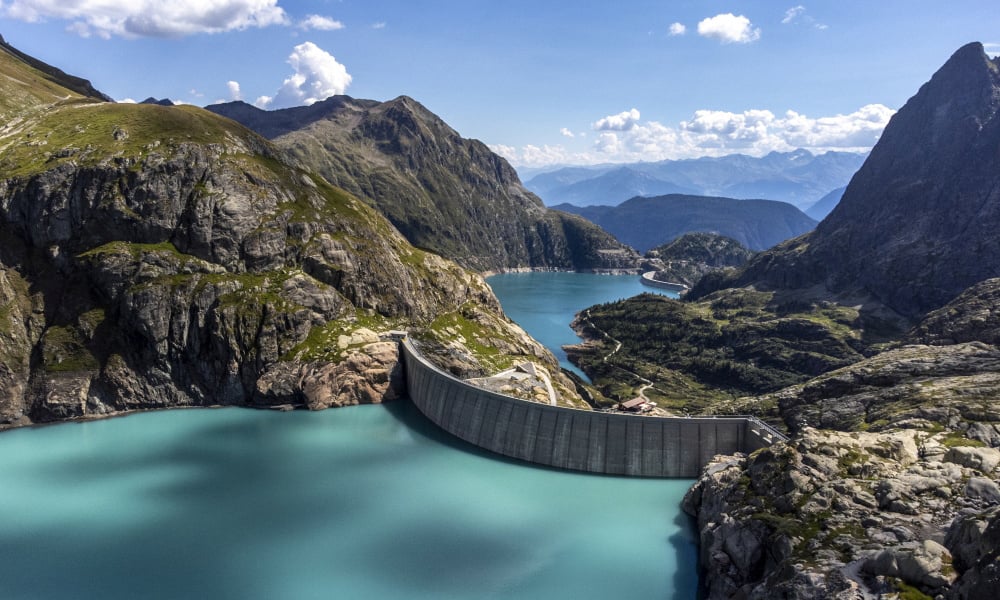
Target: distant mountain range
(799, 177)
(645, 223)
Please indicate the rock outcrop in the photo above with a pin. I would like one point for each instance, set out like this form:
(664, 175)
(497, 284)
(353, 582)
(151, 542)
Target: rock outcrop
(848, 515)
(686, 259)
(444, 193)
(974, 316)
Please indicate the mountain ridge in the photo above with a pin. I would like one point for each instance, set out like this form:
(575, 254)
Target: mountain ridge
(447, 194)
(798, 177)
(645, 223)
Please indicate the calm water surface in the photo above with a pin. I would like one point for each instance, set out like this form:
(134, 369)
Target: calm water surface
(365, 502)
(369, 502)
(544, 304)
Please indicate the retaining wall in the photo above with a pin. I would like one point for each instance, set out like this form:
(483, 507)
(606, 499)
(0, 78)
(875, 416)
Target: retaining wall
(567, 438)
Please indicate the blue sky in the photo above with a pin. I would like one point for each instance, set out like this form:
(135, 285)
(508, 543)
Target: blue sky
(540, 81)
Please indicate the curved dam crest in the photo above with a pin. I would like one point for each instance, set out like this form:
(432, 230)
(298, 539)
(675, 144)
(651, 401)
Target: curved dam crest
(579, 440)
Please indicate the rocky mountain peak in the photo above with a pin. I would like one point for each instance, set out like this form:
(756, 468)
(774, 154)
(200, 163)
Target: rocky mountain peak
(917, 223)
(443, 192)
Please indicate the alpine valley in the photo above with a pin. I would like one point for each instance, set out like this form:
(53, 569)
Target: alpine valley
(156, 256)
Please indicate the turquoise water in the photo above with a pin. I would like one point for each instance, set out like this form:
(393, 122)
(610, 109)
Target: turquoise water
(544, 304)
(365, 502)
(368, 502)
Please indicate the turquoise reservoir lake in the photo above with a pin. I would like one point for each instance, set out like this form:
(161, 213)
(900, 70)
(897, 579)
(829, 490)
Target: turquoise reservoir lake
(544, 304)
(366, 502)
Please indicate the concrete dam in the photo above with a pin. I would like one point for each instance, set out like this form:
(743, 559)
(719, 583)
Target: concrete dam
(580, 440)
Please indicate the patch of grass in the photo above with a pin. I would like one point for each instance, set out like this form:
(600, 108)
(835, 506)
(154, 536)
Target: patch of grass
(955, 438)
(64, 350)
(93, 133)
(322, 342)
(909, 592)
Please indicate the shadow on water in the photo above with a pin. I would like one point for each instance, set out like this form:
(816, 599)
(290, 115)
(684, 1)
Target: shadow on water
(683, 543)
(685, 546)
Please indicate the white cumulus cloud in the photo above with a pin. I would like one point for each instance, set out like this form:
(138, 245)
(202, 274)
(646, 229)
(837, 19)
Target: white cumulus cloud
(729, 29)
(317, 76)
(566, 132)
(149, 18)
(677, 29)
(234, 90)
(716, 133)
(620, 122)
(320, 22)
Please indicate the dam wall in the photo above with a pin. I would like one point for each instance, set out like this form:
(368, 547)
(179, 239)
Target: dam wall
(649, 278)
(580, 440)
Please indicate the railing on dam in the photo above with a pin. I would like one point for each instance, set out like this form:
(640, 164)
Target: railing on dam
(575, 439)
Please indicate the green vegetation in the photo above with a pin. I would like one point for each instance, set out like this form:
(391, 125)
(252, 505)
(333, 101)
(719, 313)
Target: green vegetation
(25, 89)
(734, 342)
(324, 343)
(64, 349)
(89, 133)
(689, 257)
(953, 439)
(909, 592)
(477, 333)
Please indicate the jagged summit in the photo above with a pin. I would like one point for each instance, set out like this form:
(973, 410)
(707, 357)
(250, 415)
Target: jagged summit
(917, 224)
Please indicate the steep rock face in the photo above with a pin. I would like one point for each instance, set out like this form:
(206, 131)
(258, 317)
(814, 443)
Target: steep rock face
(917, 223)
(163, 256)
(444, 193)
